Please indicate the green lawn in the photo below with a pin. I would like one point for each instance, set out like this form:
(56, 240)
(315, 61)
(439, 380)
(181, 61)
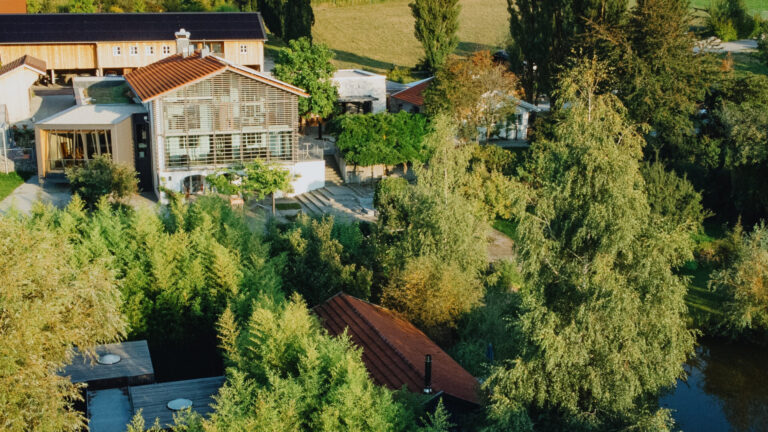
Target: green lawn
(378, 36)
(508, 228)
(9, 182)
(753, 6)
(744, 63)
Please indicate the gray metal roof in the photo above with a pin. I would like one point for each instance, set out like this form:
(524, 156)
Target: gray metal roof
(135, 362)
(152, 399)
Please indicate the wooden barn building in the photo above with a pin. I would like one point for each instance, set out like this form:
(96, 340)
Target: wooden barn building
(102, 44)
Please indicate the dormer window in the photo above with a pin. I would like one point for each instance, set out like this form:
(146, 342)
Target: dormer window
(166, 49)
(134, 50)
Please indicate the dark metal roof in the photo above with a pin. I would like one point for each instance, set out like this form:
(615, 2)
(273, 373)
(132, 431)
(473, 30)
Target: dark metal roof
(113, 27)
(135, 366)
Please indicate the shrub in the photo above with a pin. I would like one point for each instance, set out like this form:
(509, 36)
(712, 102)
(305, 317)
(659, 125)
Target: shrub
(728, 20)
(102, 177)
(391, 139)
(744, 282)
(433, 294)
(762, 47)
(399, 74)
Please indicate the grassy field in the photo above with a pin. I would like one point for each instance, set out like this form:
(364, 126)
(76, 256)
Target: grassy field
(379, 36)
(753, 6)
(9, 182)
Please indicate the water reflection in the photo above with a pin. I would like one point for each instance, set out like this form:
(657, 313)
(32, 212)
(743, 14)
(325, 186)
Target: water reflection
(726, 390)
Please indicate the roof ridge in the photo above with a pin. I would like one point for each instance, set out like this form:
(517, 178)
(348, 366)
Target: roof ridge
(344, 296)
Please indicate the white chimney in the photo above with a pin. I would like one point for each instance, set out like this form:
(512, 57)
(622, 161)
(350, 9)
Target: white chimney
(182, 42)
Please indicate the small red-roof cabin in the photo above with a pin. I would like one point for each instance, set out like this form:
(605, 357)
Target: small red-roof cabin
(394, 351)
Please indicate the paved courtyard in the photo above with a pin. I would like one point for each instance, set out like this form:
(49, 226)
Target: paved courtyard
(56, 193)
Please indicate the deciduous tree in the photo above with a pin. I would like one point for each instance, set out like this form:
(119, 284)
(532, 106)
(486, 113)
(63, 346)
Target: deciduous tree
(476, 93)
(596, 266)
(308, 65)
(256, 180)
(744, 283)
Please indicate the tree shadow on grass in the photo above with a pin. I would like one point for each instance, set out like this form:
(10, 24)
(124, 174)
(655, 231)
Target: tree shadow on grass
(365, 62)
(466, 49)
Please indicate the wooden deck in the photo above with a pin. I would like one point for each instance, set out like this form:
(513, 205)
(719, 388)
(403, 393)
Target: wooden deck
(152, 399)
(134, 367)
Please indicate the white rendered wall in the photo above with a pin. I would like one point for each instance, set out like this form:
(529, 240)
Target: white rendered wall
(352, 83)
(311, 176)
(14, 93)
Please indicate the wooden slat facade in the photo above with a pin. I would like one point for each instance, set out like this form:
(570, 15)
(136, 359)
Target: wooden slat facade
(56, 56)
(97, 56)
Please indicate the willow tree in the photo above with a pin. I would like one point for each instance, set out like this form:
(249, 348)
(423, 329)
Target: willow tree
(601, 324)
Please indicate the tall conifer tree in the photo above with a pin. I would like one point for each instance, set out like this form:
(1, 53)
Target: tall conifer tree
(437, 22)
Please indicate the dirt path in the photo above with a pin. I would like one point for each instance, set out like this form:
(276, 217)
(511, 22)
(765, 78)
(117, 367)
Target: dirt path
(500, 246)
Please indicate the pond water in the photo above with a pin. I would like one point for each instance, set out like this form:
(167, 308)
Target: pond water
(726, 389)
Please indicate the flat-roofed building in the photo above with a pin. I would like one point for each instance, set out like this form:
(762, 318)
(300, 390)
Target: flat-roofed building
(84, 132)
(120, 42)
(160, 401)
(115, 365)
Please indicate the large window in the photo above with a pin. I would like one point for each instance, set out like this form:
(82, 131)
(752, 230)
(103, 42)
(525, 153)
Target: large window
(215, 47)
(230, 149)
(69, 148)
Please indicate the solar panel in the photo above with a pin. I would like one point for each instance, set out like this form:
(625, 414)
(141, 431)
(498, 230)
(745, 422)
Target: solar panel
(42, 28)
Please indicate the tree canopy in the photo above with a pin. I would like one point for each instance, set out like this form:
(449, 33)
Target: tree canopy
(308, 66)
(51, 301)
(390, 139)
(477, 93)
(596, 266)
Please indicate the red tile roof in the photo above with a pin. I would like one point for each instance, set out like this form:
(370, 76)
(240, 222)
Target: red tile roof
(31, 62)
(393, 349)
(415, 94)
(176, 71)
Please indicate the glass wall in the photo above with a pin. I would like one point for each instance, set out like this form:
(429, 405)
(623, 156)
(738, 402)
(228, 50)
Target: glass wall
(229, 149)
(75, 147)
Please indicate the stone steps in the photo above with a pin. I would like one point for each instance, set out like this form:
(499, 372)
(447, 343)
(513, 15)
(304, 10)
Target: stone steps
(308, 206)
(332, 173)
